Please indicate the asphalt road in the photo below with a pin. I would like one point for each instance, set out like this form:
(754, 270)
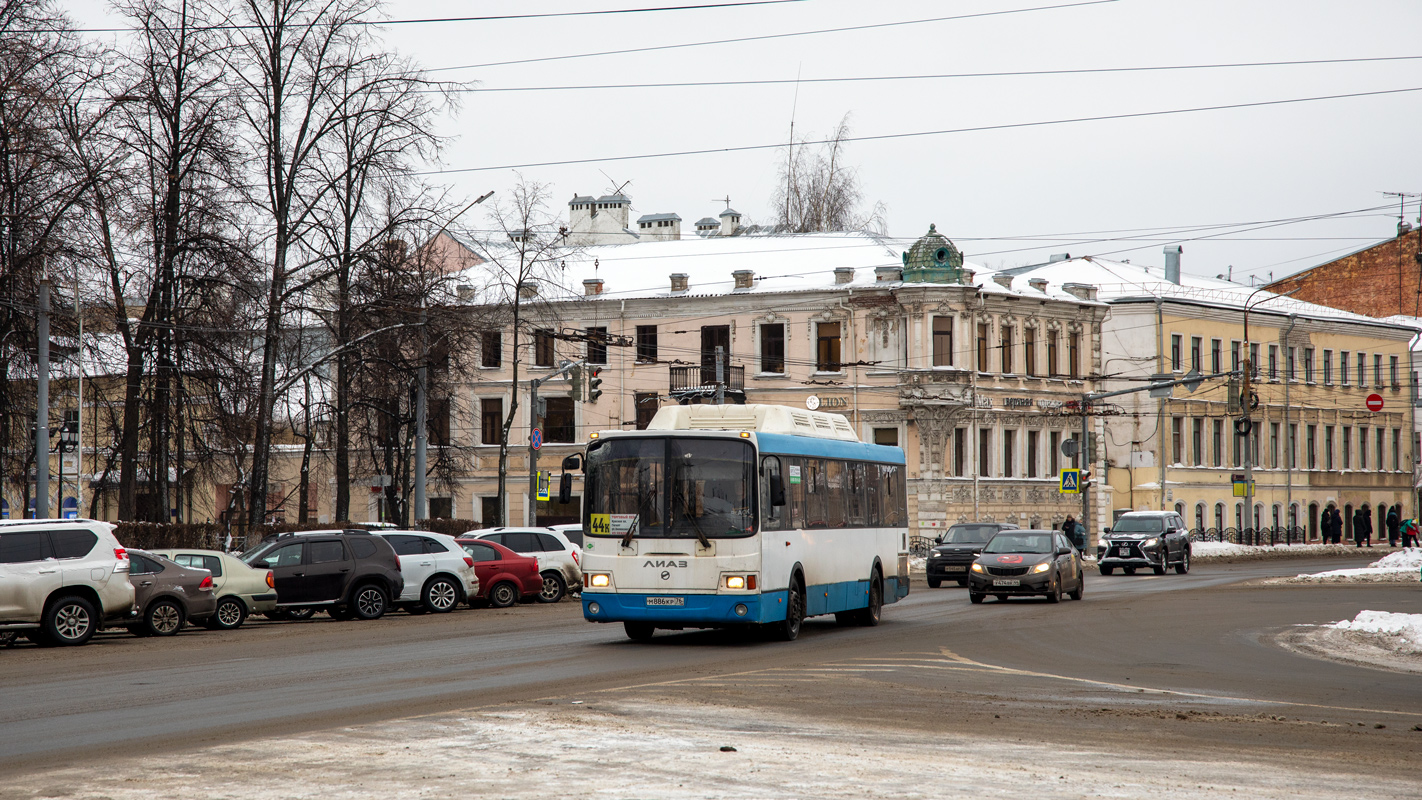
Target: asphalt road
(1202, 641)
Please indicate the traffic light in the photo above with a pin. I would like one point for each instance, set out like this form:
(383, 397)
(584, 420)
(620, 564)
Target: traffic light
(575, 377)
(594, 384)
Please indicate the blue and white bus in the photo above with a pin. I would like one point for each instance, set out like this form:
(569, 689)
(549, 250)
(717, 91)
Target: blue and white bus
(739, 516)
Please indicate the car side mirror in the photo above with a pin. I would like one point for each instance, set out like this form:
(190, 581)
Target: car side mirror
(777, 490)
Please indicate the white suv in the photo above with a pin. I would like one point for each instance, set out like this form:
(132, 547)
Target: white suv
(557, 557)
(439, 575)
(61, 580)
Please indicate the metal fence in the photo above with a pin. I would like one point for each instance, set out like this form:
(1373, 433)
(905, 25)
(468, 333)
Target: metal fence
(1281, 534)
(921, 545)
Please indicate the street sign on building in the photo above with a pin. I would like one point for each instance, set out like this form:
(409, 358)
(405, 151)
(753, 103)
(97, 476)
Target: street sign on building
(1375, 402)
(1070, 481)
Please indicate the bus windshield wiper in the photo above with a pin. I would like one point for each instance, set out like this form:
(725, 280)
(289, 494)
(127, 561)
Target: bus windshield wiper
(631, 531)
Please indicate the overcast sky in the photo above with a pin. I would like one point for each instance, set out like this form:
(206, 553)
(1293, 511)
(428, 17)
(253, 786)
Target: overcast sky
(1006, 196)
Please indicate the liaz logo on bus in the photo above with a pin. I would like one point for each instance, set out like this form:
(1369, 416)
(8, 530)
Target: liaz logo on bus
(661, 564)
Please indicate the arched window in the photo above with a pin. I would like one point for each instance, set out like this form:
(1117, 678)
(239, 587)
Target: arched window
(1278, 509)
(1180, 509)
(1313, 520)
(1200, 516)
(1348, 520)
(1219, 515)
(1293, 515)
(1258, 514)
(1239, 516)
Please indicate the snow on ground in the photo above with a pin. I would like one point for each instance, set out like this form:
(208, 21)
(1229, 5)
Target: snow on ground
(1227, 551)
(1402, 566)
(1379, 639)
(1405, 630)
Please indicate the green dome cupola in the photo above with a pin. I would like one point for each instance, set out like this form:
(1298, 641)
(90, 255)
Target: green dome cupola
(933, 259)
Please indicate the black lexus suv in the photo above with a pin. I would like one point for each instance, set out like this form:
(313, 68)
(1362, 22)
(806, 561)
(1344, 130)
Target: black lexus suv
(957, 548)
(348, 573)
(1139, 539)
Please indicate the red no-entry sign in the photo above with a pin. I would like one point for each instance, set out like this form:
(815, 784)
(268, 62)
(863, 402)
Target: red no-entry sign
(1375, 402)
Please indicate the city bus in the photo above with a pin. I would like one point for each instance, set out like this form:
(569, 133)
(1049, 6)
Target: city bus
(741, 516)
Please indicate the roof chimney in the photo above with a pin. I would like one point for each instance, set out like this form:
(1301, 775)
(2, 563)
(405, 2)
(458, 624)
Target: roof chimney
(1059, 257)
(1040, 284)
(1172, 263)
(843, 275)
(528, 289)
(1002, 279)
(466, 291)
(894, 273)
(745, 278)
(678, 281)
(730, 221)
(1081, 291)
(592, 286)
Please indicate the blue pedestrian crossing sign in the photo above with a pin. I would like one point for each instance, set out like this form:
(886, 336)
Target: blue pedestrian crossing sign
(1070, 482)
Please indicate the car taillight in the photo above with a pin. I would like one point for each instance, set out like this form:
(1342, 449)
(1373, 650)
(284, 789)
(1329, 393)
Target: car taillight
(271, 582)
(468, 561)
(397, 565)
(206, 585)
(575, 558)
(121, 554)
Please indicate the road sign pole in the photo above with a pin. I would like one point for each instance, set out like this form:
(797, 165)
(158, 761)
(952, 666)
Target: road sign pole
(1085, 454)
(1245, 401)
(530, 510)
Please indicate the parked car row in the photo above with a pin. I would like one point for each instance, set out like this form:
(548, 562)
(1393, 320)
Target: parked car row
(63, 580)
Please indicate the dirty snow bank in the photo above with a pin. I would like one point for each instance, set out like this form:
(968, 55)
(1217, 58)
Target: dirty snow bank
(1228, 551)
(1400, 567)
(1403, 632)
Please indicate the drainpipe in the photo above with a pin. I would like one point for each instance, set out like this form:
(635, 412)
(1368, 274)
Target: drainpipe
(853, 352)
(977, 432)
(1411, 413)
(1160, 401)
(1288, 437)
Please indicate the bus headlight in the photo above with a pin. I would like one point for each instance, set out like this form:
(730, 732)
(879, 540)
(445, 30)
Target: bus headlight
(735, 582)
(600, 579)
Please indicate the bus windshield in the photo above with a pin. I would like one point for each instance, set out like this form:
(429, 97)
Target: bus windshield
(669, 487)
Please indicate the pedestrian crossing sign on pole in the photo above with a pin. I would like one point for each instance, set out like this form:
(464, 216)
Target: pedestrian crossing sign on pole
(543, 486)
(1070, 482)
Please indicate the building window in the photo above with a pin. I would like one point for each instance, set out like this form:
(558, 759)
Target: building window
(646, 404)
(1219, 516)
(1347, 446)
(441, 507)
(1054, 451)
(1328, 367)
(1006, 356)
(1073, 354)
(597, 345)
(772, 348)
(1234, 356)
(1343, 367)
(1377, 370)
(1273, 362)
(1311, 442)
(438, 421)
(1362, 369)
(889, 437)
(1032, 437)
(491, 419)
(1195, 343)
(1290, 354)
(1197, 441)
(1362, 448)
(1175, 352)
(491, 349)
(1217, 442)
(543, 348)
(1328, 447)
(1308, 364)
(982, 347)
(646, 343)
(1396, 449)
(984, 452)
(558, 425)
(1392, 373)
(1234, 448)
(1052, 354)
(1381, 464)
(489, 511)
(1254, 360)
(1274, 445)
(960, 454)
(1029, 351)
(1009, 449)
(1293, 446)
(1215, 355)
(827, 347)
(942, 341)
(1177, 440)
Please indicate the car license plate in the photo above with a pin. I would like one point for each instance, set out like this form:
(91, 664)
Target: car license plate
(1006, 582)
(1124, 552)
(666, 601)
(955, 569)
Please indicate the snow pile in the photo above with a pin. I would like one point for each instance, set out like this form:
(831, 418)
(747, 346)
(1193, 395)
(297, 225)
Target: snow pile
(1410, 559)
(1401, 632)
(1400, 567)
(1227, 551)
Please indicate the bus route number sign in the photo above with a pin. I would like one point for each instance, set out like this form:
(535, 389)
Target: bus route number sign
(609, 524)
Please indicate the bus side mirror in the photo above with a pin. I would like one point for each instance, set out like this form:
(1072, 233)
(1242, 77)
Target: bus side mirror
(565, 489)
(777, 490)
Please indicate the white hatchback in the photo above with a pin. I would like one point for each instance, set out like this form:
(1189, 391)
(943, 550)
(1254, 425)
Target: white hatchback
(558, 559)
(439, 575)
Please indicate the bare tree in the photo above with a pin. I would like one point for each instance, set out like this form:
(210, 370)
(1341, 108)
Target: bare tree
(817, 191)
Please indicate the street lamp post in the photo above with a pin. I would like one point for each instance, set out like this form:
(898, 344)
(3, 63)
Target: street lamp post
(1244, 426)
(68, 440)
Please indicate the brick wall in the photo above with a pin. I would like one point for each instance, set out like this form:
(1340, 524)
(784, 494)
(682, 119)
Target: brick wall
(1380, 281)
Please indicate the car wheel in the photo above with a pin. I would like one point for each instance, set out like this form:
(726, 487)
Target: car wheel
(789, 628)
(369, 602)
(934, 583)
(1106, 570)
(1159, 569)
(553, 588)
(67, 621)
(1184, 565)
(976, 597)
(229, 615)
(1129, 570)
(1080, 587)
(869, 615)
(503, 595)
(638, 631)
(440, 596)
(164, 618)
(300, 613)
(1054, 592)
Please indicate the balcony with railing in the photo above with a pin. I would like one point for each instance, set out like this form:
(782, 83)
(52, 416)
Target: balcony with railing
(693, 381)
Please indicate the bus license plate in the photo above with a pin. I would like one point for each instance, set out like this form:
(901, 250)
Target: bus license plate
(666, 601)
(1007, 582)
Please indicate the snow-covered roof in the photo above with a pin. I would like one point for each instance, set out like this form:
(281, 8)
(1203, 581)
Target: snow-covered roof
(1117, 281)
(730, 212)
(579, 199)
(708, 221)
(657, 217)
(613, 198)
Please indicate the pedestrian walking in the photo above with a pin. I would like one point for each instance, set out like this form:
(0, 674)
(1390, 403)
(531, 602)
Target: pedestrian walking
(1337, 526)
(1394, 525)
(1360, 528)
(1325, 525)
(1075, 532)
(1409, 532)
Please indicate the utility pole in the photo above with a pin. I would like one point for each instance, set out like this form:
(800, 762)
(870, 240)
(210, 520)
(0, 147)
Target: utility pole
(720, 375)
(42, 403)
(530, 513)
(1085, 454)
(421, 417)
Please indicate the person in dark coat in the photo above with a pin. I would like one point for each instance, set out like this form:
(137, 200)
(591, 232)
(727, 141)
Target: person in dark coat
(1394, 523)
(1360, 528)
(1337, 526)
(1325, 525)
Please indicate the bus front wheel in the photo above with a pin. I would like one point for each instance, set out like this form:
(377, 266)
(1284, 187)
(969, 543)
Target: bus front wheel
(638, 631)
(789, 628)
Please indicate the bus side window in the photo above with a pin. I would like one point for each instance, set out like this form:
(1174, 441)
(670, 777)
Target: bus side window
(794, 493)
(835, 486)
(891, 483)
(773, 517)
(816, 493)
(875, 493)
(855, 495)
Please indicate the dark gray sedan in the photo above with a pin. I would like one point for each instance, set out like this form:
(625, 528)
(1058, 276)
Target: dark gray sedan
(1027, 563)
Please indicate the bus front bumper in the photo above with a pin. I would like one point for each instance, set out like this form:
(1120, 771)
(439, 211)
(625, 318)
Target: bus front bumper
(695, 611)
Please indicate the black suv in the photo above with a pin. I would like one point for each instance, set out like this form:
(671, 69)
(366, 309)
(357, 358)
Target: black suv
(349, 573)
(958, 548)
(1155, 539)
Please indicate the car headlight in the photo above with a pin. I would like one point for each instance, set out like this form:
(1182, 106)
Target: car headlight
(599, 579)
(1042, 567)
(1152, 542)
(977, 567)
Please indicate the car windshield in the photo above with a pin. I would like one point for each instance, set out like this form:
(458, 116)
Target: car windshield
(969, 534)
(670, 488)
(1011, 542)
(1139, 525)
(251, 555)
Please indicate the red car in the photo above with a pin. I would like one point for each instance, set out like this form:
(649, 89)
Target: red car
(505, 577)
